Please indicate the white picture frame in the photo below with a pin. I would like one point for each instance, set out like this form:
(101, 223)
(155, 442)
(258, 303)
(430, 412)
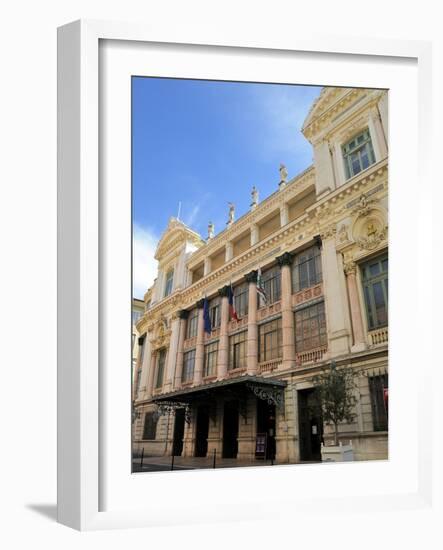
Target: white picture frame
(83, 396)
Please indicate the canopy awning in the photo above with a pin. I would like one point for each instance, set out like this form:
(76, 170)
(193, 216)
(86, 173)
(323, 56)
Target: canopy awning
(270, 390)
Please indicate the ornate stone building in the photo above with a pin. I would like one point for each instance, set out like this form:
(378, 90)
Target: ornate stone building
(319, 244)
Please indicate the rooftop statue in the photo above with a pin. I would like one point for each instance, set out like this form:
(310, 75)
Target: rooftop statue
(231, 213)
(211, 230)
(254, 197)
(283, 175)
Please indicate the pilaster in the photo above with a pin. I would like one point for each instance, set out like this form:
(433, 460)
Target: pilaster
(335, 300)
(359, 343)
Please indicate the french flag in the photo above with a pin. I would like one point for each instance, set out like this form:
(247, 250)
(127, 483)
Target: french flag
(232, 312)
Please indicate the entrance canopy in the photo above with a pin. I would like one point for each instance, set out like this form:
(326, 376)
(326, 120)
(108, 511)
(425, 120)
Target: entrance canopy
(263, 388)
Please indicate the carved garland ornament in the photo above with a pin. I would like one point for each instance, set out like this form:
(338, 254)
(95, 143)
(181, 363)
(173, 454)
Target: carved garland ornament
(374, 237)
(272, 395)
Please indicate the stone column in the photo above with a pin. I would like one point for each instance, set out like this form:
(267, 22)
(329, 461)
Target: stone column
(145, 367)
(284, 214)
(341, 174)
(335, 297)
(137, 373)
(183, 316)
(229, 251)
(287, 315)
(200, 345)
(374, 138)
(207, 267)
(172, 355)
(378, 129)
(254, 234)
(359, 343)
(150, 384)
(252, 350)
(223, 342)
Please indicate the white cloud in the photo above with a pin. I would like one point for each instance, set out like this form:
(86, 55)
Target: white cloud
(144, 266)
(283, 114)
(190, 219)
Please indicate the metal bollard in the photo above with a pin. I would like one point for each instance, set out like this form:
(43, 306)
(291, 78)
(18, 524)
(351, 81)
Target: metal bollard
(172, 462)
(214, 453)
(141, 459)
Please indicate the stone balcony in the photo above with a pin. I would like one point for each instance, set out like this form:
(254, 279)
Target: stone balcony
(269, 366)
(310, 356)
(378, 337)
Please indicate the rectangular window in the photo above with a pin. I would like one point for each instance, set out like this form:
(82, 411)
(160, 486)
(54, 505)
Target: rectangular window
(241, 299)
(188, 366)
(272, 284)
(160, 368)
(192, 324)
(378, 389)
(306, 269)
(237, 350)
(375, 291)
(310, 328)
(214, 312)
(169, 282)
(150, 426)
(358, 154)
(211, 352)
(270, 340)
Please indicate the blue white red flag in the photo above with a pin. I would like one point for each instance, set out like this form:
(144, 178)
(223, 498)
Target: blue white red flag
(232, 312)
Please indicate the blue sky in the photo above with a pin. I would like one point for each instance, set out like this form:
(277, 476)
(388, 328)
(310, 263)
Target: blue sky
(204, 143)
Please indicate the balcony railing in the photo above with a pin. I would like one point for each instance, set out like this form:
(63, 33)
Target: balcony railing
(378, 336)
(269, 366)
(310, 356)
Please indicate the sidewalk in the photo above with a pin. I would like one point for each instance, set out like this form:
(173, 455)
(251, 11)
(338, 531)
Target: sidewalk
(164, 463)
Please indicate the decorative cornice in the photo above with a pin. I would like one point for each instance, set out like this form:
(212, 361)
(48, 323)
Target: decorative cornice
(285, 259)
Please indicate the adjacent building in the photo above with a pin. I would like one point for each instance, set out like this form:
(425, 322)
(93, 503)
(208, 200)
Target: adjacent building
(319, 249)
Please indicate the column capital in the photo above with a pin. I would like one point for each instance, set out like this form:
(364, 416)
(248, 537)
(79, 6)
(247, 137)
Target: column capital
(251, 277)
(329, 232)
(223, 291)
(285, 259)
(183, 314)
(350, 268)
(200, 303)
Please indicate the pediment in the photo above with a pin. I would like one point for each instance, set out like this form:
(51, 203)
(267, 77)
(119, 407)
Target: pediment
(328, 96)
(175, 236)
